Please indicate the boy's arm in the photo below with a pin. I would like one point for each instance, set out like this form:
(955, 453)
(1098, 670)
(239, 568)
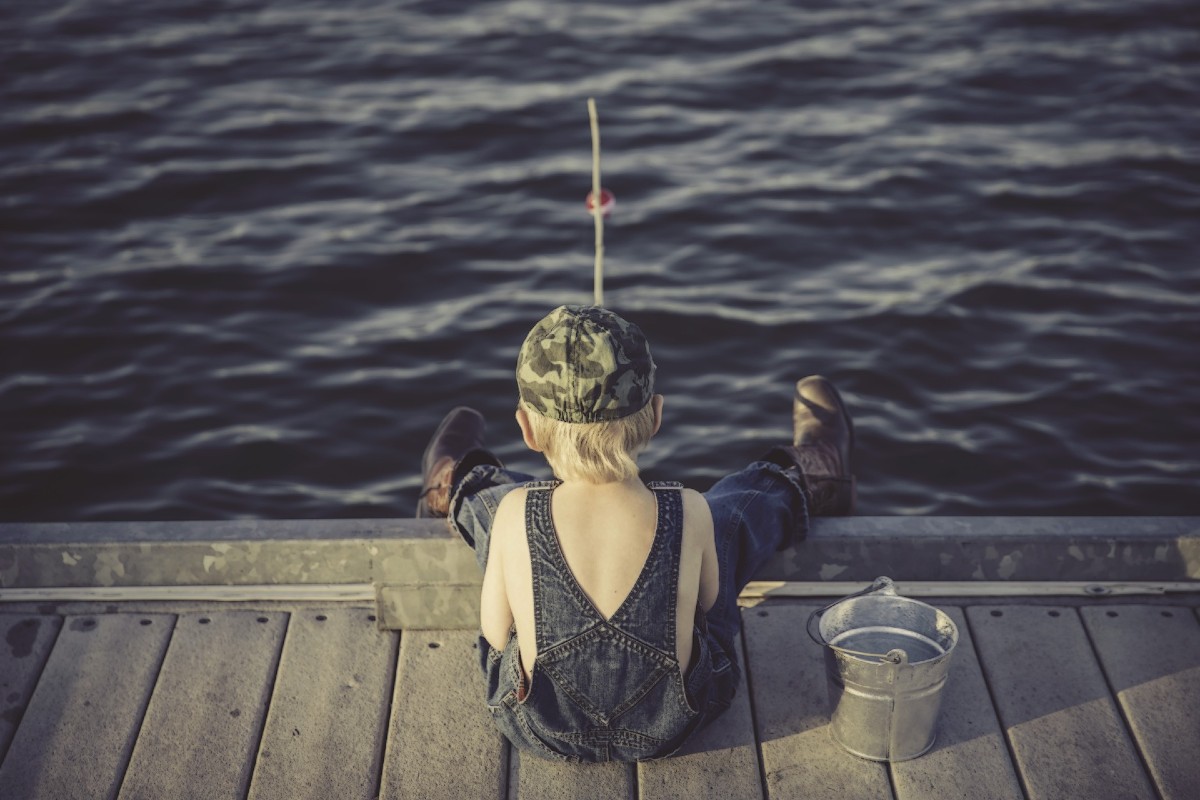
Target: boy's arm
(495, 613)
(697, 508)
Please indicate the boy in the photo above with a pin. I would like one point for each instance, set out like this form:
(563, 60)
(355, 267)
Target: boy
(608, 612)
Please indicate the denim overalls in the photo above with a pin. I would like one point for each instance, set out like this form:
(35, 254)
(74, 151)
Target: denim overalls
(613, 690)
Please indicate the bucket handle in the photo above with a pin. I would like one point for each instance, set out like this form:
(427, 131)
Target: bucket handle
(882, 585)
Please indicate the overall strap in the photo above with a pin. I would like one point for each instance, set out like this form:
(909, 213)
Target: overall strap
(560, 608)
(648, 612)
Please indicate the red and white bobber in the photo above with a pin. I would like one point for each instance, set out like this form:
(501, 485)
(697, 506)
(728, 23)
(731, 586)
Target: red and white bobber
(607, 201)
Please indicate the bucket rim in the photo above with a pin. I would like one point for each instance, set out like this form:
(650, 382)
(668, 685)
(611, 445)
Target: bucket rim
(882, 587)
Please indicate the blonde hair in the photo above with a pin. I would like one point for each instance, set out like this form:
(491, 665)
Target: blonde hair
(592, 452)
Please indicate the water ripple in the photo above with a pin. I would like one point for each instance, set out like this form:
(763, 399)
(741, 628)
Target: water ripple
(251, 255)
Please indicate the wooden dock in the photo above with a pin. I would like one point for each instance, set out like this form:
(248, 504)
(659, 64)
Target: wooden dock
(1046, 699)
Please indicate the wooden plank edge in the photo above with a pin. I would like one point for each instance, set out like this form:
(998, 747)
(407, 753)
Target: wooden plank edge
(761, 590)
(339, 592)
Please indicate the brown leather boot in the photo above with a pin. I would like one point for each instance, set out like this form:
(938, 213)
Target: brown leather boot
(821, 446)
(459, 434)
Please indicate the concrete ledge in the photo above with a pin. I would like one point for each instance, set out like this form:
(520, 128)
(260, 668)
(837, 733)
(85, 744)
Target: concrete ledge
(234, 552)
(217, 531)
(995, 548)
(407, 550)
(425, 577)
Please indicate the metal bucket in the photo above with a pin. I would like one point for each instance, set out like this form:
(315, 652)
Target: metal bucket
(886, 661)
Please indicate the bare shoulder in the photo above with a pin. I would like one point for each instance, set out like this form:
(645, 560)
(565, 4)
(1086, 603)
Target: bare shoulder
(696, 510)
(510, 516)
(512, 503)
(697, 520)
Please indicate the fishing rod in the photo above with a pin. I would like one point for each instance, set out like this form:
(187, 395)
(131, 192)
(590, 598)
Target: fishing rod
(600, 207)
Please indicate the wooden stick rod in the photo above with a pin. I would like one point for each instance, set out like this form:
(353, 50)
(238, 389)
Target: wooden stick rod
(596, 213)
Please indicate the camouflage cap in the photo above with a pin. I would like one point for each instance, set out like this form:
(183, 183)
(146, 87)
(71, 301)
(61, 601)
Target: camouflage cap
(585, 364)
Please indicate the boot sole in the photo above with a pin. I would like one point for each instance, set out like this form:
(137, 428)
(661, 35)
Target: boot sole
(845, 416)
(423, 511)
(445, 423)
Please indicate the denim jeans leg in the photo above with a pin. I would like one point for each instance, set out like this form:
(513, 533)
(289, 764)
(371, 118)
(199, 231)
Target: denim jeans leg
(755, 511)
(474, 499)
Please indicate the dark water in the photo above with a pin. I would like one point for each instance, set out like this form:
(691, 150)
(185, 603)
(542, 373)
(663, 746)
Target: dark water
(253, 250)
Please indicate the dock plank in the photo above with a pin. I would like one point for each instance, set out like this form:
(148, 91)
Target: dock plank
(441, 741)
(720, 761)
(969, 756)
(542, 779)
(1151, 655)
(80, 725)
(28, 639)
(790, 701)
(1064, 728)
(332, 693)
(204, 720)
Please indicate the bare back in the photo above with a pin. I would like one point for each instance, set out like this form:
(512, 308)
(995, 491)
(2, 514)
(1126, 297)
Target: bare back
(605, 532)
